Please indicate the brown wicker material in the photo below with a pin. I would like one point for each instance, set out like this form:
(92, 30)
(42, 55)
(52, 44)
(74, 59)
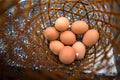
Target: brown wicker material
(23, 45)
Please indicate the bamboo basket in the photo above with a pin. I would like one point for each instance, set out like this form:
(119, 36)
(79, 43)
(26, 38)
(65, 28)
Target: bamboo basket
(24, 52)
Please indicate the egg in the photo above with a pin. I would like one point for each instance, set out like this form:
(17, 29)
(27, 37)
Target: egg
(56, 46)
(80, 50)
(79, 27)
(67, 55)
(51, 33)
(90, 37)
(67, 37)
(62, 24)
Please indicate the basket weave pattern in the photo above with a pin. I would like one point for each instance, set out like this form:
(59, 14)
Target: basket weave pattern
(22, 40)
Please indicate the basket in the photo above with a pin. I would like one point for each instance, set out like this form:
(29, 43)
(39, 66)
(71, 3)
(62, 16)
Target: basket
(24, 51)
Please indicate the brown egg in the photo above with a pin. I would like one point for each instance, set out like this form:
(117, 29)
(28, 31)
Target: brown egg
(62, 24)
(67, 55)
(51, 33)
(67, 37)
(79, 27)
(90, 37)
(80, 50)
(56, 46)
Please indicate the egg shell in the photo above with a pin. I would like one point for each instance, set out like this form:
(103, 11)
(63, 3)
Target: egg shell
(79, 27)
(62, 24)
(51, 33)
(56, 46)
(90, 37)
(67, 55)
(80, 50)
(67, 37)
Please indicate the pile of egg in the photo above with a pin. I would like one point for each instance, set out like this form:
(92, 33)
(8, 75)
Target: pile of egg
(63, 41)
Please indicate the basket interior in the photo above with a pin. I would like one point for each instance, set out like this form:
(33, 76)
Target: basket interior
(23, 43)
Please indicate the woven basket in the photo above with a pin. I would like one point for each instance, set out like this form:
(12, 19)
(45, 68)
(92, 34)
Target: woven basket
(23, 46)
